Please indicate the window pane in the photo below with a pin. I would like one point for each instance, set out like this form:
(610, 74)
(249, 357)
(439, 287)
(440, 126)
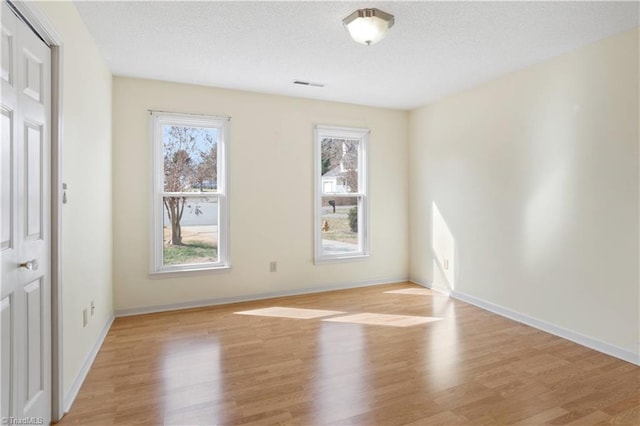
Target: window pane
(340, 225)
(190, 158)
(339, 164)
(190, 228)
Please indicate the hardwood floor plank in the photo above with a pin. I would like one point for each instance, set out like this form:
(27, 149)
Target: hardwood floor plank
(285, 364)
(444, 418)
(543, 417)
(597, 417)
(627, 417)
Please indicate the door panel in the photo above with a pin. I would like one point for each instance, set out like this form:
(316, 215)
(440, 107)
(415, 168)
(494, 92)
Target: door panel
(6, 72)
(33, 177)
(26, 222)
(35, 358)
(8, 183)
(33, 76)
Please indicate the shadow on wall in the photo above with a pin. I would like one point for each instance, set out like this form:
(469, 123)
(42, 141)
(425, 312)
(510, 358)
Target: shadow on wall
(444, 249)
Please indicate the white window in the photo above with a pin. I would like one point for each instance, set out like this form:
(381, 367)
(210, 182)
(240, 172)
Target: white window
(190, 192)
(341, 208)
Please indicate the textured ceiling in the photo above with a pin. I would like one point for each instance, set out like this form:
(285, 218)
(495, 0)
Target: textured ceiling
(434, 49)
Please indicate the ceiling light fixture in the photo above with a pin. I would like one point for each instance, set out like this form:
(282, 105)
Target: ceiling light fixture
(368, 26)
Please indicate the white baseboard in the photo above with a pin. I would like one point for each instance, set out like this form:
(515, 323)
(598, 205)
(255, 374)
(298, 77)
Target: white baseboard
(70, 397)
(430, 286)
(252, 297)
(420, 282)
(575, 337)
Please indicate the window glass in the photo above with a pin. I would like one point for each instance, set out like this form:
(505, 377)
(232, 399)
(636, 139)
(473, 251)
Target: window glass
(339, 164)
(191, 223)
(190, 156)
(341, 230)
(190, 231)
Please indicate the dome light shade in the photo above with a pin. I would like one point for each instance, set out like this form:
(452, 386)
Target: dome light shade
(368, 26)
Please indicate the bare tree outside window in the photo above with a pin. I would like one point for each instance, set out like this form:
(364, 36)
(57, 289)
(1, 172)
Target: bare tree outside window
(339, 159)
(190, 165)
(331, 155)
(190, 226)
(350, 161)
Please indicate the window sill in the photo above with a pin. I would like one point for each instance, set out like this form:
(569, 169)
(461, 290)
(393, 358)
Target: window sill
(176, 273)
(340, 259)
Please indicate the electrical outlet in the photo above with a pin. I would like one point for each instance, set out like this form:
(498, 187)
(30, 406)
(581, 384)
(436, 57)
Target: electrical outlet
(85, 317)
(273, 266)
(93, 307)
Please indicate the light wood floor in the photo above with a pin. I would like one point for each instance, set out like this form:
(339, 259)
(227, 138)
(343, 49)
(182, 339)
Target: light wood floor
(290, 365)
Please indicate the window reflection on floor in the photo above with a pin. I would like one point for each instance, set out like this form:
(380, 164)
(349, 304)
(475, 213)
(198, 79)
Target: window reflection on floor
(342, 351)
(192, 395)
(443, 349)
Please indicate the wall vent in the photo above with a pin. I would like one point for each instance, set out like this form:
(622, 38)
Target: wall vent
(308, 83)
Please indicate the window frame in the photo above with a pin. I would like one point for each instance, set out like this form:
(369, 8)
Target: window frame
(336, 132)
(157, 120)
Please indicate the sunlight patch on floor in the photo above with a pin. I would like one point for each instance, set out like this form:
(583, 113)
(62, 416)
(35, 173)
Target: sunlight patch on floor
(295, 313)
(383, 319)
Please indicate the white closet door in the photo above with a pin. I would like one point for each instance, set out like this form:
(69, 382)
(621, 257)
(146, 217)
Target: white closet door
(25, 241)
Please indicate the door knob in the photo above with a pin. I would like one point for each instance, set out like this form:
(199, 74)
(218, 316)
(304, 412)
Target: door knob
(32, 265)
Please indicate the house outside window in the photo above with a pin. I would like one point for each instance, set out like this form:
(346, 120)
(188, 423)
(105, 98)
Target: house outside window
(190, 227)
(341, 206)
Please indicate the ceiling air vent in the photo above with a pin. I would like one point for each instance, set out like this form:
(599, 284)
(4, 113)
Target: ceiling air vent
(308, 83)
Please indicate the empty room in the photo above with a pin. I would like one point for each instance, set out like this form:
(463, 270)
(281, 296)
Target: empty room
(320, 213)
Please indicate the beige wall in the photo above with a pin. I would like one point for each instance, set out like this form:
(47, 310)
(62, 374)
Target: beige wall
(271, 171)
(536, 178)
(86, 168)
